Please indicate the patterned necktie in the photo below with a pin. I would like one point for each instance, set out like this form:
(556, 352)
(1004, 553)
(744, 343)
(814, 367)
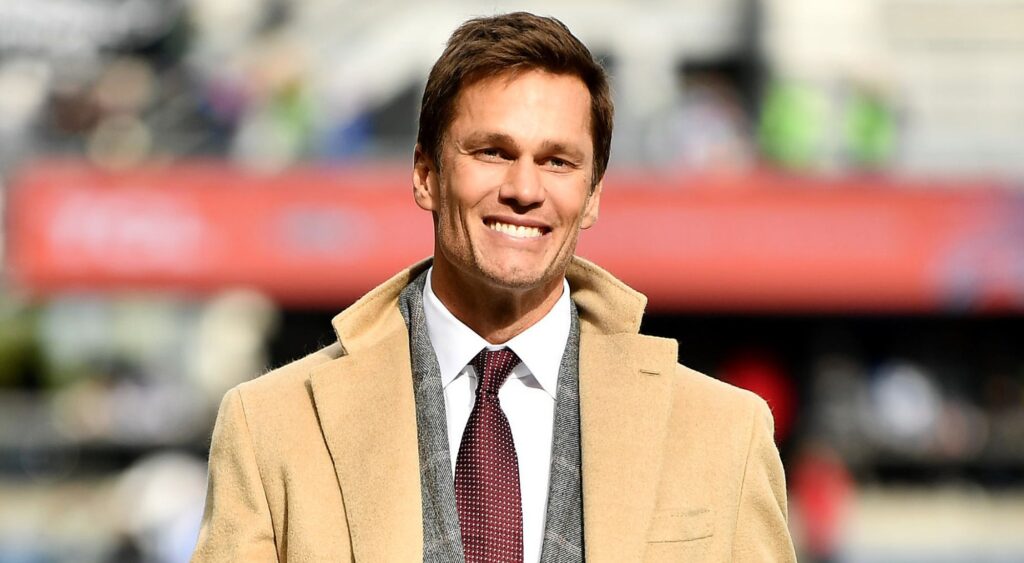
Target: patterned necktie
(487, 470)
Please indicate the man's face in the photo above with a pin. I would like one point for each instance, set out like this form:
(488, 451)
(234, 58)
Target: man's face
(514, 188)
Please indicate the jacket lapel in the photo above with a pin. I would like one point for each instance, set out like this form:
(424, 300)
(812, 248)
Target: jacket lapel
(368, 418)
(625, 400)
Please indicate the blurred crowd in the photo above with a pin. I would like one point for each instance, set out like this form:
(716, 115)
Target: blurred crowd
(268, 83)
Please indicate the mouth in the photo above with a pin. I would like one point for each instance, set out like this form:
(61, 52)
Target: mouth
(516, 231)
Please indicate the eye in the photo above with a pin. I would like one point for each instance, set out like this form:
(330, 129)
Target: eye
(559, 164)
(492, 154)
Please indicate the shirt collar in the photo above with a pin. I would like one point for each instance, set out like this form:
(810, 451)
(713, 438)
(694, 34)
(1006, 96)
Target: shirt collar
(540, 347)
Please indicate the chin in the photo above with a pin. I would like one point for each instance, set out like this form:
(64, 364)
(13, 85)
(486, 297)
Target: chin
(516, 278)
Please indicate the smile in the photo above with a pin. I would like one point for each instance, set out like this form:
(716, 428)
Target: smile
(517, 231)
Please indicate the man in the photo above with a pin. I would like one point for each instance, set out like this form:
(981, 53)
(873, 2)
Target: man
(496, 403)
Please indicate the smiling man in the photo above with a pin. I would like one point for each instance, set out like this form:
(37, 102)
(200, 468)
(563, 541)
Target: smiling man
(496, 403)
(510, 188)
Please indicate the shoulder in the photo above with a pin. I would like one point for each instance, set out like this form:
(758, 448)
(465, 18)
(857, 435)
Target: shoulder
(713, 394)
(721, 456)
(715, 432)
(290, 376)
(721, 413)
(701, 405)
(280, 394)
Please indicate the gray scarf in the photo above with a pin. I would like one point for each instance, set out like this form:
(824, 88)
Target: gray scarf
(442, 541)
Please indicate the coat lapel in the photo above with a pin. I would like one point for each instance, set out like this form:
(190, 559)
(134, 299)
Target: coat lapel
(368, 417)
(625, 400)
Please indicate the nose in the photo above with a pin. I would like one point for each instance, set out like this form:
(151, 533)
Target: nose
(523, 186)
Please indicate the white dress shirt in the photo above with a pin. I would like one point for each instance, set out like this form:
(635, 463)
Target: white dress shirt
(527, 397)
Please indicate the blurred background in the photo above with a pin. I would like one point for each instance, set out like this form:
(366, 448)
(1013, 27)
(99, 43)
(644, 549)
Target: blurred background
(824, 202)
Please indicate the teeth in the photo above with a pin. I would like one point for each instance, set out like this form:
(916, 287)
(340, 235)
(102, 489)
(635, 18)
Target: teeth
(516, 230)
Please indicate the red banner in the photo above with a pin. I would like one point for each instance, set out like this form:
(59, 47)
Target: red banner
(321, 237)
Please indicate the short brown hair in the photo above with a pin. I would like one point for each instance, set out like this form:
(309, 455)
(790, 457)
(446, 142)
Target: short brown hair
(512, 43)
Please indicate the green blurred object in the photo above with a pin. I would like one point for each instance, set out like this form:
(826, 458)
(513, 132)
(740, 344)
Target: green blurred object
(870, 130)
(294, 115)
(793, 125)
(21, 359)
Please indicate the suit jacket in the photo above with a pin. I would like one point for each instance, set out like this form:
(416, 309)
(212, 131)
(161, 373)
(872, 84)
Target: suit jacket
(318, 460)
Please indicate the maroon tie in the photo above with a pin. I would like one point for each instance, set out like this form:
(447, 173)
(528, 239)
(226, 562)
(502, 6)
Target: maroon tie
(487, 470)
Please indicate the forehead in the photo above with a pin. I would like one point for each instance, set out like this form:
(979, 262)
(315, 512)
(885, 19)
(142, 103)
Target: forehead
(527, 103)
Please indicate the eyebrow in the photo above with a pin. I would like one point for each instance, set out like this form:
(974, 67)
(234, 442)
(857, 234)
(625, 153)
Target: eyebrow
(490, 138)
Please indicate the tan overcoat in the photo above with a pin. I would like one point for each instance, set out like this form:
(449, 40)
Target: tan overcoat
(318, 460)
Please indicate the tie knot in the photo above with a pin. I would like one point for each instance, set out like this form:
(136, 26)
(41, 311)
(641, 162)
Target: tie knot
(493, 367)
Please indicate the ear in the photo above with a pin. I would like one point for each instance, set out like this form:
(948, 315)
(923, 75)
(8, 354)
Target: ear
(423, 180)
(590, 208)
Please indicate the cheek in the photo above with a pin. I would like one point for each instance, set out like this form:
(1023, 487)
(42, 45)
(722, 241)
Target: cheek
(455, 211)
(570, 200)
(470, 185)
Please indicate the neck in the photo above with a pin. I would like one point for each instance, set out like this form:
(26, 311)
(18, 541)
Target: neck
(496, 314)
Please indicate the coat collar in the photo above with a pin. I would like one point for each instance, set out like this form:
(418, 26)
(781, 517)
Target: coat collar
(367, 413)
(605, 304)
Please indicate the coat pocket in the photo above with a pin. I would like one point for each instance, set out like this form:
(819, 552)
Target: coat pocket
(681, 525)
